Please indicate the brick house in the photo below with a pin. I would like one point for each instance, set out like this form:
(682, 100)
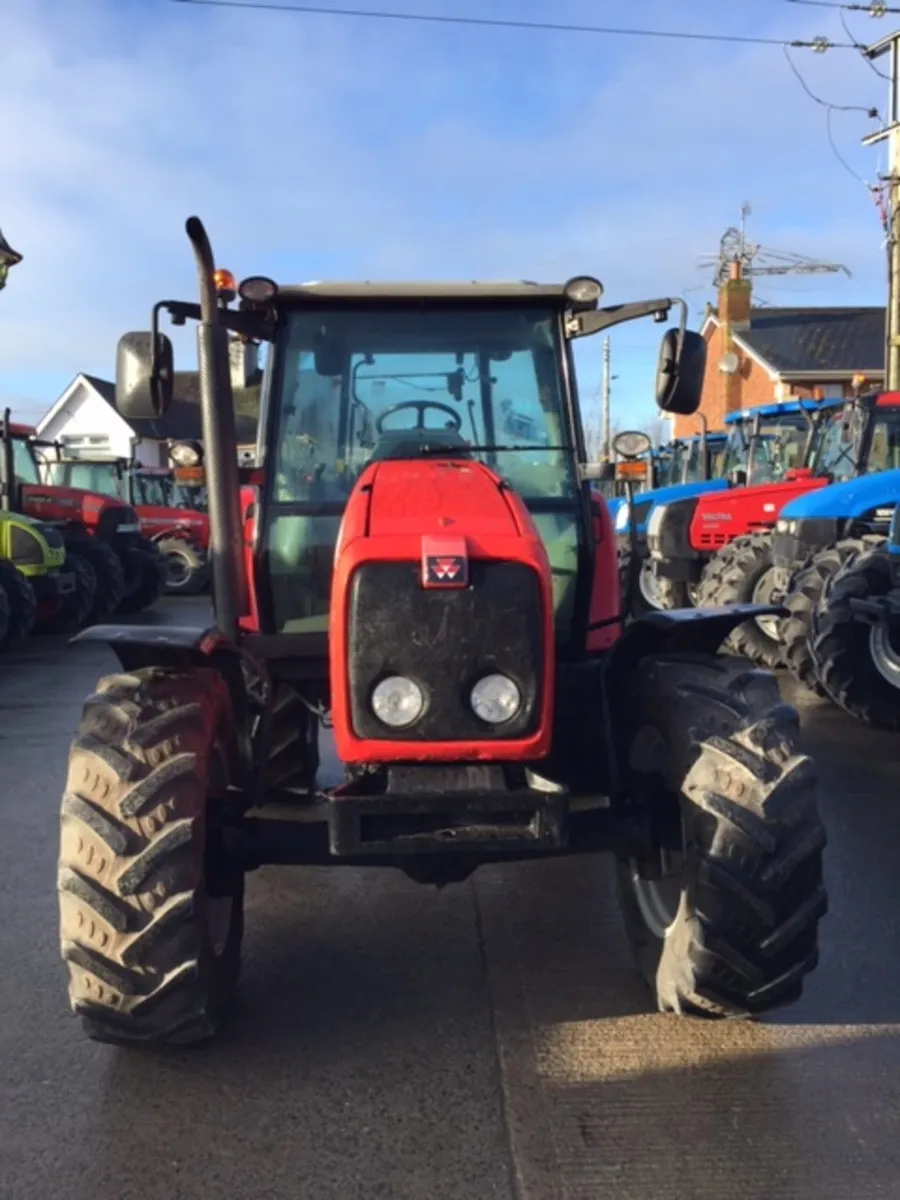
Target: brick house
(758, 355)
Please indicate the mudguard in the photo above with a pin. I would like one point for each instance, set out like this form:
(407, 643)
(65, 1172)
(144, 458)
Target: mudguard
(158, 645)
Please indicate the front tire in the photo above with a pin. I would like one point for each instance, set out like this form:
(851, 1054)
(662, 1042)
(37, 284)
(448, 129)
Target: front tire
(76, 605)
(149, 586)
(858, 664)
(109, 575)
(731, 930)
(22, 605)
(806, 590)
(150, 925)
(743, 572)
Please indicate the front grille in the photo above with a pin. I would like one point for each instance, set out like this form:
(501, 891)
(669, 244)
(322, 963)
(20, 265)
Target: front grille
(112, 518)
(445, 640)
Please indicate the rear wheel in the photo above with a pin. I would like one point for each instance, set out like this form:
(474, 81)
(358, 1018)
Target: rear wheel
(150, 922)
(858, 664)
(730, 928)
(22, 605)
(109, 575)
(76, 605)
(186, 568)
(4, 612)
(149, 586)
(806, 590)
(743, 572)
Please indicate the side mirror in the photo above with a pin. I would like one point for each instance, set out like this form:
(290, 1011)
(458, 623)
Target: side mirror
(679, 377)
(144, 379)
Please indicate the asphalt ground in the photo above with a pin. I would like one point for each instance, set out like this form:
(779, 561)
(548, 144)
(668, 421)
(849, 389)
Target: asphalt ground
(486, 1040)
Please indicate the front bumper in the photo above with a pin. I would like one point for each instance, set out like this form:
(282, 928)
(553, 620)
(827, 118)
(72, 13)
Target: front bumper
(404, 820)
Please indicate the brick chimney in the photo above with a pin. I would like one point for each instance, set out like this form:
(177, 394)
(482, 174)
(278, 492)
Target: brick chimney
(734, 299)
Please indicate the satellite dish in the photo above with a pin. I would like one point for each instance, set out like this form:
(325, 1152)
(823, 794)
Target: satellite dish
(729, 363)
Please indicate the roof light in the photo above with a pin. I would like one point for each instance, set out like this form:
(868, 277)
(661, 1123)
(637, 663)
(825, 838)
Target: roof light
(631, 444)
(258, 289)
(583, 290)
(224, 281)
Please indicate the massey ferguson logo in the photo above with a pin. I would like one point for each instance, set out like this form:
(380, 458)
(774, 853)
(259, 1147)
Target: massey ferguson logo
(449, 570)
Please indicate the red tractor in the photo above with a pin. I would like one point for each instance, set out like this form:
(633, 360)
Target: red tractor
(446, 592)
(101, 535)
(167, 515)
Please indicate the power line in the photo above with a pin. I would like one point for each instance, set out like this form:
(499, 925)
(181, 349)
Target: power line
(873, 9)
(862, 50)
(819, 44)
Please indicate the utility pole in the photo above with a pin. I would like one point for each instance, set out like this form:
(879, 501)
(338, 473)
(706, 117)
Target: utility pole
(606, 424)
(891, 132)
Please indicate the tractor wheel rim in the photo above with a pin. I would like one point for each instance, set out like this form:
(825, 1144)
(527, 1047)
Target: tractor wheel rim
(648, 585)
(884, 655)
(658, 901)
(177, 569)
(767, 591)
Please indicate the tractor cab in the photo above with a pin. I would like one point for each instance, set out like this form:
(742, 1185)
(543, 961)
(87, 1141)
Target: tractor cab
(350, 385)
(363, 375)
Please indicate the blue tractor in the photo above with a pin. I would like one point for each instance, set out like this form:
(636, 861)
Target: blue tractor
(854, 636)
(821, 532)
(741, 455)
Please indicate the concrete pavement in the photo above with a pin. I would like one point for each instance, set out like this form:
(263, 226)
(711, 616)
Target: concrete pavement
(487, 1040)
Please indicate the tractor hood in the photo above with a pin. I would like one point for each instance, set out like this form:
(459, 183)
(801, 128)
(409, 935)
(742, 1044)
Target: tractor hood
(853, 498)
(759, 504)
(645, 501)
(49, 503)
(442, 499)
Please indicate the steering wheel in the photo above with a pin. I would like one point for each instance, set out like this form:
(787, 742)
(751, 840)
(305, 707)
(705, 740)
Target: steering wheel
(420, 406)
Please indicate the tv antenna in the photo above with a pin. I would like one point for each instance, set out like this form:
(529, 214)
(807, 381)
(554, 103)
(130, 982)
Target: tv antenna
(756, 259)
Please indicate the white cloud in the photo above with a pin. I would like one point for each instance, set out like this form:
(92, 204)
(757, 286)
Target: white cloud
(317, 147)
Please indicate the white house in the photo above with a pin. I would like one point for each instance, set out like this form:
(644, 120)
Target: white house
(85, 419)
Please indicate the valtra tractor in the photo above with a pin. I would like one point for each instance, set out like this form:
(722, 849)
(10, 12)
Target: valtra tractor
(102, 538)
(181, 533)
(754, 450)
(448, 594)
(722, 542)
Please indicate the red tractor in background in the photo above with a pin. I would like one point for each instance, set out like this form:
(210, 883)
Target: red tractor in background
(724, 540)
(165, 512)
(445, 590)
(101, 535)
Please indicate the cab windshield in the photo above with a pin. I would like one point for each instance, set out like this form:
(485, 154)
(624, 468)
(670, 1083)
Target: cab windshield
(352, 386)
(359, 386)
(102, 478)
(152, 490)
(776, 446)
(24, 465)
(840, 441)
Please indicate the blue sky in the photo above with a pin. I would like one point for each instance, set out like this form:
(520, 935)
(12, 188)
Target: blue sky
(316, 147)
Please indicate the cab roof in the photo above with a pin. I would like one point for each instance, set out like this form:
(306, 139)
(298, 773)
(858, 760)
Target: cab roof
(518, 290)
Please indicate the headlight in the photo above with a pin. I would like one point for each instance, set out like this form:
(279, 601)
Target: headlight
(495, 699)
(185, 454)
(656, 520)
(622, 518)
(397, 701)
(784, 526)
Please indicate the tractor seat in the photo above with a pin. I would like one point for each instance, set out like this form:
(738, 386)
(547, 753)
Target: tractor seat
(408, 443)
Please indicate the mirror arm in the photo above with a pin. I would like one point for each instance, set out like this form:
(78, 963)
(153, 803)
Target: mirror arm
(249, 323)
(587, 323)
